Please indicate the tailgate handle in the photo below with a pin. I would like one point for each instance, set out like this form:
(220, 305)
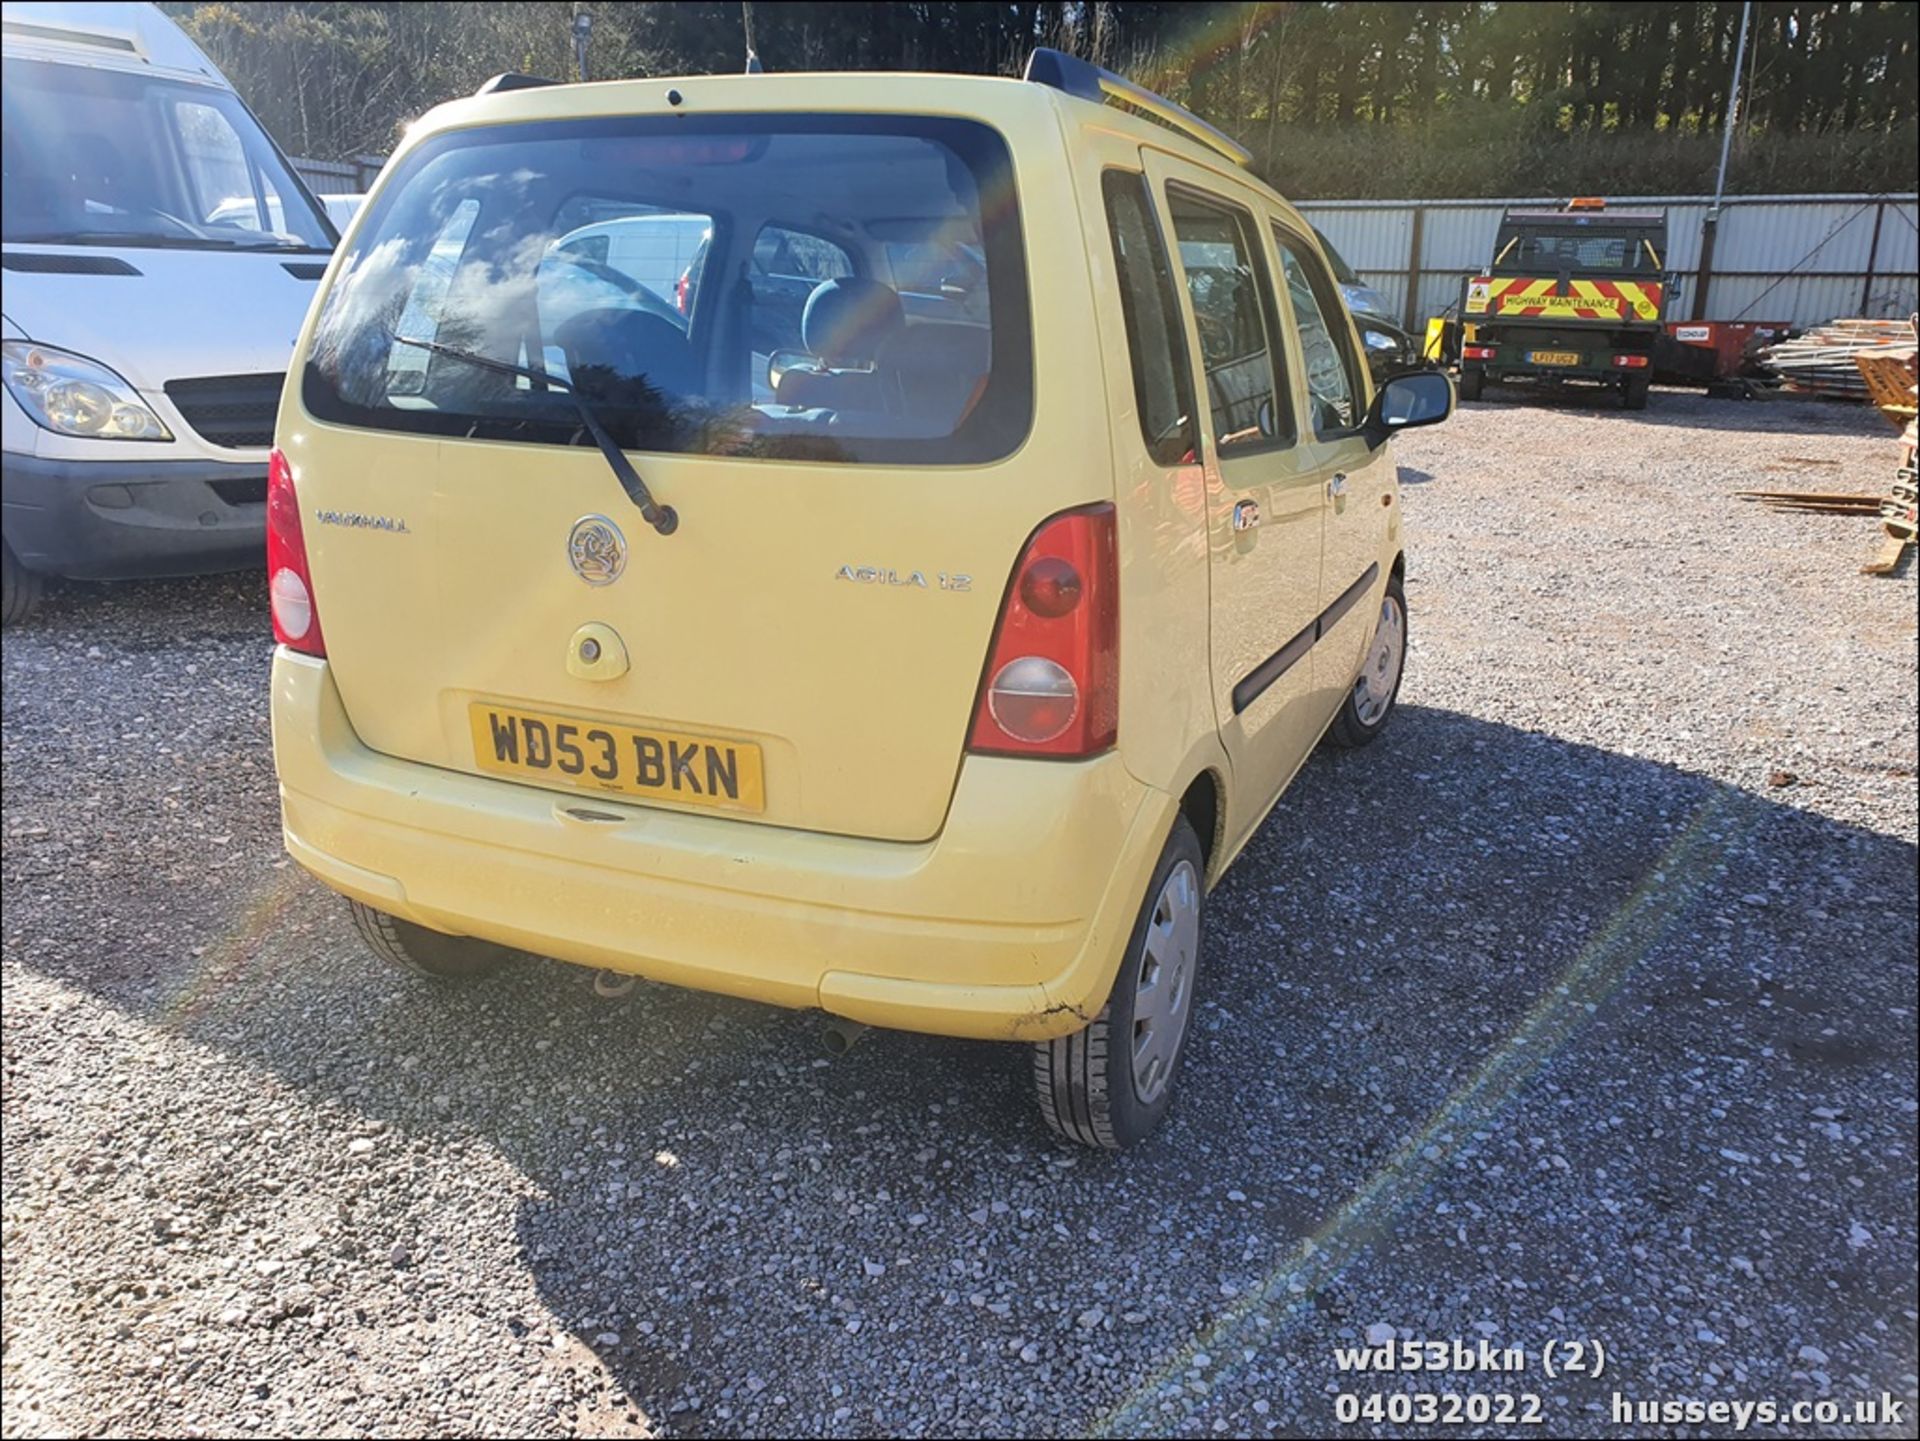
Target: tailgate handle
(579, 815)
(1337, 487)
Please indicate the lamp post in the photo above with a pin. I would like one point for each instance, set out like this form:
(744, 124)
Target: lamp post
(582, 28)
(1710, 226)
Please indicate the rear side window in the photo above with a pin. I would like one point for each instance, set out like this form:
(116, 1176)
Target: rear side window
(1234, 314)
(1162, 379)
(654, 263)
(1333, 374)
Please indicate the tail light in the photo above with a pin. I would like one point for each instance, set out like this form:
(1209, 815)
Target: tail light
(1631, 362)
(296, 620)
(1476, 352)
(683, 290)
(1052, 683)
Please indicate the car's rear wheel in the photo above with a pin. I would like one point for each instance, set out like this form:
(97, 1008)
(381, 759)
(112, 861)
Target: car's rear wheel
(20, 588)
(1471, 383)
(1369, 704)
(429, 953)
(1109, 1083)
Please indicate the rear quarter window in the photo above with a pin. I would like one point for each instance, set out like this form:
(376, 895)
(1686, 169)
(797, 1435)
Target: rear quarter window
(1156, 344)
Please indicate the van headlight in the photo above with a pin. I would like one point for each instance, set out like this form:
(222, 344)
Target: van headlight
(71, 395)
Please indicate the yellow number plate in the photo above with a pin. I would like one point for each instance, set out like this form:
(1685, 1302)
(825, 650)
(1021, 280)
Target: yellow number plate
(616, 759)
(1553, 357)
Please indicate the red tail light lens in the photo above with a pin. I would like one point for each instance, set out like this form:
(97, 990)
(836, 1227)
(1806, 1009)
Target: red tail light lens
(1631, 362)
(296, 620)
(1476, 352)
(1052, 683)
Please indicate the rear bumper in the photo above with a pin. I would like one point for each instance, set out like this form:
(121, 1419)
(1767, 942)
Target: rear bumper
(1006, 926)
(118, 520)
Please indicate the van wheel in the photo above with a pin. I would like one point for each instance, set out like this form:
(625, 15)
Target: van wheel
(20, 588)
(429, 953)
(1471, 383)
(1369, 705)
(1108, 1084)
(1636, 392)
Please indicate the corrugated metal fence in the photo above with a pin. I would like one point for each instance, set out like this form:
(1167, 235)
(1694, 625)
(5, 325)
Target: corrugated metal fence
(338, 177)
(1798, 258)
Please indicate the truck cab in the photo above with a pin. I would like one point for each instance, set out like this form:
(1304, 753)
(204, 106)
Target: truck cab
(1573, 293)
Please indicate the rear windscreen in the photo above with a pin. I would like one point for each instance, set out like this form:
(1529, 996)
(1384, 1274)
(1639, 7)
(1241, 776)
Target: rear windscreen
(846, 288)
(1550, 251)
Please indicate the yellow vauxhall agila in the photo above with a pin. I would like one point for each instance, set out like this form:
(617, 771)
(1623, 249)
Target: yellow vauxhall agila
(879, 543)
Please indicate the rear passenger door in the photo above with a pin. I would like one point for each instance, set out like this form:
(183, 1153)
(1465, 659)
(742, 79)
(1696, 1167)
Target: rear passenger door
(1264, 507)
(1358, 480)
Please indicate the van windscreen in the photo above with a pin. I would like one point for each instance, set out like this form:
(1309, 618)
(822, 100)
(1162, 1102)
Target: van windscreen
(810, 287)
(107, 157)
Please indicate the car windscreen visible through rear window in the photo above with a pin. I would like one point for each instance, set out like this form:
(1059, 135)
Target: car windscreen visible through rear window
(726, 285)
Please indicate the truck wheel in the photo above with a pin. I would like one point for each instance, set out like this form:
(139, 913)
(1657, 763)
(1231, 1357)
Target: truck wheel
(428, 953)
(1108, 1084)
(20, 588)
(1636, 392)
(1471, 382)
(1369, 705)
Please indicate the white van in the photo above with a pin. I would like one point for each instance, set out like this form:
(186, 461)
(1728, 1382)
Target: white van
(657, 251)
(160, 255)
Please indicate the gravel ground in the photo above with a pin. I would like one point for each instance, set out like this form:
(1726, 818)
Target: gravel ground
(1582, 1007)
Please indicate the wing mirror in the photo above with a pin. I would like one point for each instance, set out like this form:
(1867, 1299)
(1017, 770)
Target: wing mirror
(1407, 401)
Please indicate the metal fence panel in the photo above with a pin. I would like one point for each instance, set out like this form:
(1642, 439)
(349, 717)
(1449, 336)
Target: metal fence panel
(337, 177)
(1798, 258)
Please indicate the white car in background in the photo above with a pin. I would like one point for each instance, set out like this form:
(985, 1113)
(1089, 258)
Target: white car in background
(160, 256)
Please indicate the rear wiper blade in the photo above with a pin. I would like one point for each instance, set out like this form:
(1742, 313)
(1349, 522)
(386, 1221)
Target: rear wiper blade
(662, 518)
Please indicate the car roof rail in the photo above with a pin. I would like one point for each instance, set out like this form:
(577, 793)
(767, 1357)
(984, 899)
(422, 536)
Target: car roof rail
(512, 80)
(1087, 81)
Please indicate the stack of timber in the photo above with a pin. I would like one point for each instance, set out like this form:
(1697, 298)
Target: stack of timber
(1826, 359)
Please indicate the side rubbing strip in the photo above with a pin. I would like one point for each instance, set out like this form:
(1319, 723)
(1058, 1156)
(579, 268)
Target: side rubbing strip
(1330, 617)
(1247, 690)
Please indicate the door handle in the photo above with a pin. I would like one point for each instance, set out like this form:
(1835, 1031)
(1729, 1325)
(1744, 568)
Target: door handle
(1337, 487)
(1246, 514)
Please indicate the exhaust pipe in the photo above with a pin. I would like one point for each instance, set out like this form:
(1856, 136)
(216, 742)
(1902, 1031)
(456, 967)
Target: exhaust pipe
(840, 1036)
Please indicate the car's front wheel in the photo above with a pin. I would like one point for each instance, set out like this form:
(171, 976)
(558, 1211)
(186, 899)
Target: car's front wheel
(1109, 1083)
(430, 953)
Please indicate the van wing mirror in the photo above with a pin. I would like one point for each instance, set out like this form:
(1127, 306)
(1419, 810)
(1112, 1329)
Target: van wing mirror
(1405, 402)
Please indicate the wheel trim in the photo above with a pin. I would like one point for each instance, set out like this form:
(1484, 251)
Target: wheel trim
(1163, 981)
(1380, 676)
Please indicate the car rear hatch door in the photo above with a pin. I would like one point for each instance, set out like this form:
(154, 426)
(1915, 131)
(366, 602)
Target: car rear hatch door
(804, 649)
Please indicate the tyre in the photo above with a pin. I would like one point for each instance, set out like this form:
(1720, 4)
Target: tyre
(1471, 383)
(1636, 392)
(429, 953)
(1108, 1084)
(20, 588)
(1369, 705)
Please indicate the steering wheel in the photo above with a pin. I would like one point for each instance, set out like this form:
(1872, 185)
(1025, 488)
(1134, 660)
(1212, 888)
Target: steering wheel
(619, 280)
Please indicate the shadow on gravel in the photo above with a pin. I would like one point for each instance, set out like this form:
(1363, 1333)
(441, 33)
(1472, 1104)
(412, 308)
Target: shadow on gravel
(1463, 921)
(1779, 414)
